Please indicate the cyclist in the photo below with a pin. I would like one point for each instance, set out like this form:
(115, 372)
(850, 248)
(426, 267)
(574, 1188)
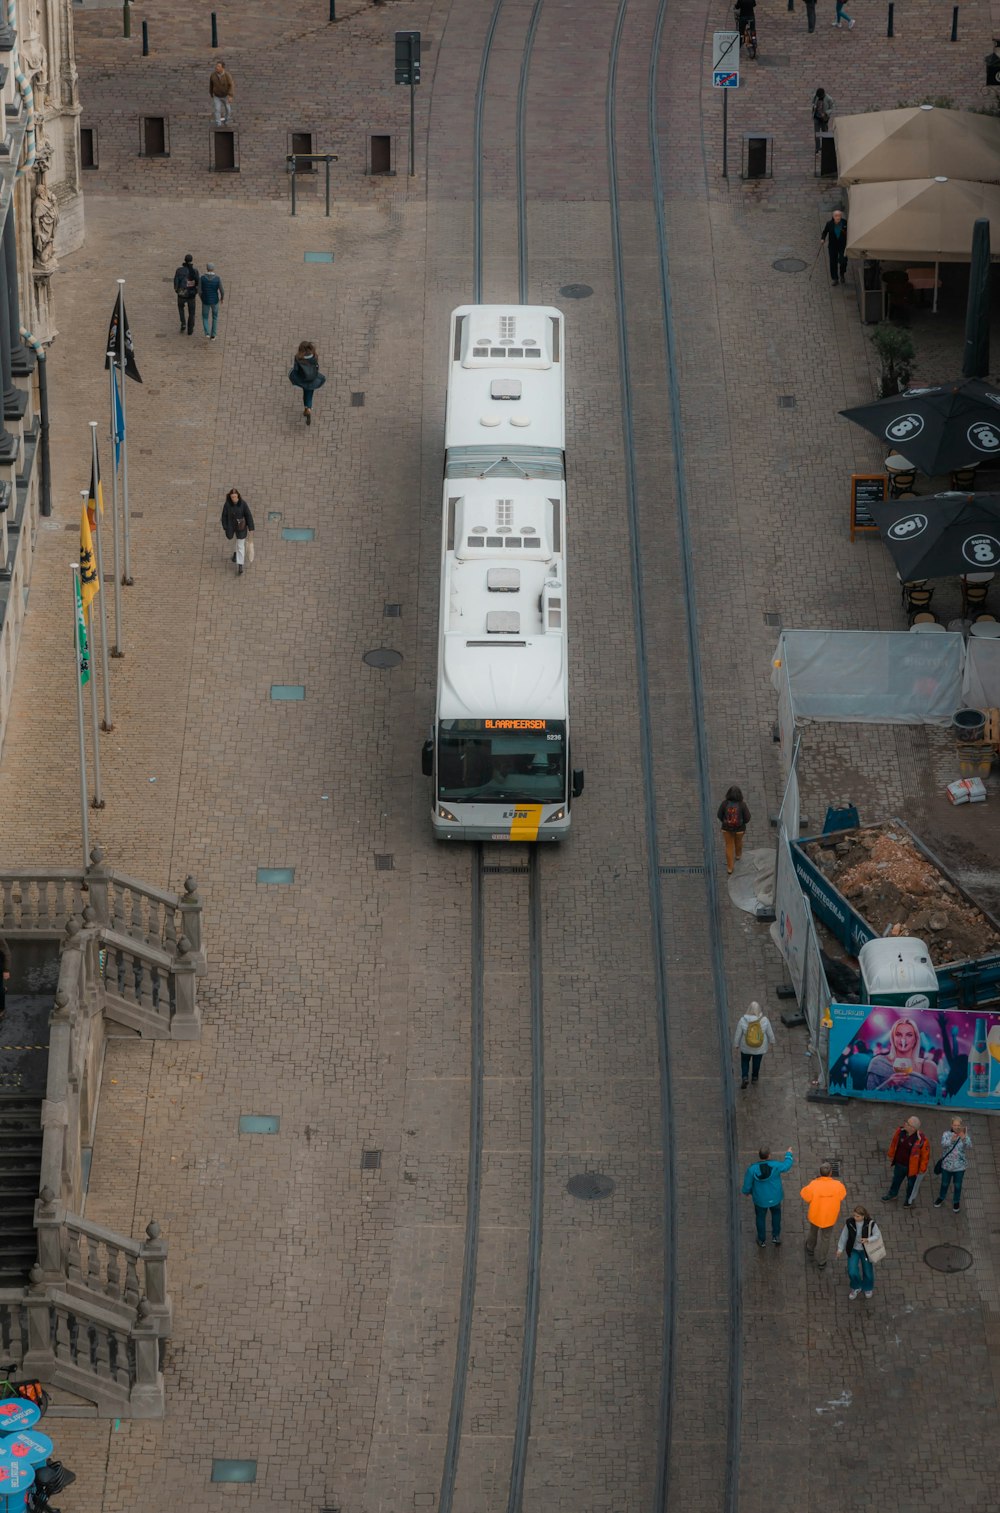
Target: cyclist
(746, 25)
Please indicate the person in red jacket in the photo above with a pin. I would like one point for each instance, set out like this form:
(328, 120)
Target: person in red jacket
(909, 1153)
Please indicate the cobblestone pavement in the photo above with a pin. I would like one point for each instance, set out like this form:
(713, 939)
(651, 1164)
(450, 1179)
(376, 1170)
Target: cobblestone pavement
(316, 1301)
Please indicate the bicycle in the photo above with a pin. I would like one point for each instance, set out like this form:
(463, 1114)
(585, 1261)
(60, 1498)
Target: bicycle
(748, 32)
(31, 1390)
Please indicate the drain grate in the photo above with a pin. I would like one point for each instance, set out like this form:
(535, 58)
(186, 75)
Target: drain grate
(771, 617)
(948, 1258)
(392, 611)
(673, 871)
(357, 399)
(382, 656)
(494, 871)
(786, 401)
(371, 1161)
(384, 862)
(590, 1186)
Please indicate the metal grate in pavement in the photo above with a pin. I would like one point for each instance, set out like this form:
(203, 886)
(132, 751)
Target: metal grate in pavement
(786, 401)
(590, 1186)
(382, 656)
(371, 1161)
(771, 617)
(357, 399)
(494, 871)
(669, 871)
(392, 611)
(385, 862)
(948, 1258)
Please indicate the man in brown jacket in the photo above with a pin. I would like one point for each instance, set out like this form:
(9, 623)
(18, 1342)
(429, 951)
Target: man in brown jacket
(222, 89)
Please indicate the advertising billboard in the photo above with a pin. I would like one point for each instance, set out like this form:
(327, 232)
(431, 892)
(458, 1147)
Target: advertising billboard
(910, 1054)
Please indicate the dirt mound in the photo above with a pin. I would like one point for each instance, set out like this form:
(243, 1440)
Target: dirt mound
(890, 883)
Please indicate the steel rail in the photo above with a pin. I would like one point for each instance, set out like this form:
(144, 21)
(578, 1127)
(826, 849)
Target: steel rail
(477, 157)
(522, 179)
(667, 1340)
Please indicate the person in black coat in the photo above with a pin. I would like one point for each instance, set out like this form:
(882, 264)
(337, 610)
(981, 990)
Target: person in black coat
(4, 973)
(237, 522)
(305, 375)
(834, 234)
(186, 283)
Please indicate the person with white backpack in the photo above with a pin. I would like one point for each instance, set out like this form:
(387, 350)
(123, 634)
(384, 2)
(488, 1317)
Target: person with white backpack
(752, 1039)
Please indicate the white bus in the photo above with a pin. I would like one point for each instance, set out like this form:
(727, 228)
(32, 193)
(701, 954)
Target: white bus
(500, 751)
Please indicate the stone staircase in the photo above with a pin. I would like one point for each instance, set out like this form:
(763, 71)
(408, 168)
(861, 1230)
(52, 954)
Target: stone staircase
(20, 1179)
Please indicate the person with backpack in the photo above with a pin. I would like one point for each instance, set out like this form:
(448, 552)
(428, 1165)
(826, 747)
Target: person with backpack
(187, 281)
(752, 1039)
(304, 374)
(762, 1183)
(734, 816)
(861, 1241)
(822, 109)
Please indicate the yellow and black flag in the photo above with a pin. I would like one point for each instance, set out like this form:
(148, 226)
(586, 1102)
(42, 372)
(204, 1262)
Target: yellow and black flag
(90, 585)
(95, 499)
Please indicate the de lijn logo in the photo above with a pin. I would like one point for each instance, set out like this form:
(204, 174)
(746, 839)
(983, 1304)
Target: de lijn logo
(908, 528)
(984, 437)
(981, 551)
(904, 427)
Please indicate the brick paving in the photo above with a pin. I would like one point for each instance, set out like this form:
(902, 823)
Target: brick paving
(316, 1302)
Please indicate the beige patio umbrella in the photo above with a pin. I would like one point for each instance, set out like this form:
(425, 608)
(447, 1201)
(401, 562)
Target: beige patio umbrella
(927, 220)
(917, 143)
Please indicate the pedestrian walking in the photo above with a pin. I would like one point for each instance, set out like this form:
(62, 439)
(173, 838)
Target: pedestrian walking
(861, 1242)
(811, 15)
(187, 281)
(834, 234)
(843, 16)
(909, 1153)
(752, 1039)
(237, 522)
(733, 815)
(212, 295)
(4, 974)
(762, 1183)
(305, 375)
(955, 1144)
(824, 1194)
(222, 90)
(822, 110)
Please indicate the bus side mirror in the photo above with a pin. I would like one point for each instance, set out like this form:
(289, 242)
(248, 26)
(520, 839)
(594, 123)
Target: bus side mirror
(577, 782)
(427, 759)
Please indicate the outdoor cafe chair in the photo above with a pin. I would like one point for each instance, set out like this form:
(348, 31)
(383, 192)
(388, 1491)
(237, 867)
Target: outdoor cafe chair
(963, 480)
(975, 587)
(901, 484)
(918, 601)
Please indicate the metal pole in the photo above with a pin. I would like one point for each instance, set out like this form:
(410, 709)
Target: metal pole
(215, 31)
(43, 435)
(127, 31)
(328, 188)
(77, 658)
(97, 802)
(725, 133)
(145, 38)
(127, 575)
(411, 112)
(954, 23)
(108, 722)
(117, 651)
(333, 10)
(294, 166)
(889, 31)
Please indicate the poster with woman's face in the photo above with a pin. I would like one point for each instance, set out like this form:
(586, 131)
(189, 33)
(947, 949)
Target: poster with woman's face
(916, 1055)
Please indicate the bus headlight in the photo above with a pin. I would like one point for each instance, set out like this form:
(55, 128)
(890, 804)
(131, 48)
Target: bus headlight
(446, 814)
(560, 814)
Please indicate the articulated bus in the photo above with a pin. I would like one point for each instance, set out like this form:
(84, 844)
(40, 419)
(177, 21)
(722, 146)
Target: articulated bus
(500, 752)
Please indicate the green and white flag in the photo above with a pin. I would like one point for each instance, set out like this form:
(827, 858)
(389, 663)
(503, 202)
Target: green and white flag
(81, 636)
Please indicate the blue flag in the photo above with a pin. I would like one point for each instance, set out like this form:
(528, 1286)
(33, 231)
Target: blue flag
(118, 419)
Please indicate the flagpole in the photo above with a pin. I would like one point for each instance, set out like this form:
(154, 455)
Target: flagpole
(127, 578)
(98, 800)
(77, 654)
(117, 649)
(108, 723)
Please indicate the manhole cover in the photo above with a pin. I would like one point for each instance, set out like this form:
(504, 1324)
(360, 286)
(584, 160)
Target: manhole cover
(590, 1185)
(576, 291)
(382, 656)
(948, 1258)
(789, 265)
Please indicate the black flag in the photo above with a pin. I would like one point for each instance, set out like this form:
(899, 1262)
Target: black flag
(120, 313)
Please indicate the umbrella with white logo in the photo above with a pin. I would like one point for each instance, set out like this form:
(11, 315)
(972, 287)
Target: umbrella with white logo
(947, 536)
(939, 429)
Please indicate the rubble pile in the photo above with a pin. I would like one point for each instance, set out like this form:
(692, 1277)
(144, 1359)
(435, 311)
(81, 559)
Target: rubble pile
(898, 891)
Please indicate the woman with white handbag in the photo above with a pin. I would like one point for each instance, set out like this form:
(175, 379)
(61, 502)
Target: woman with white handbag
(861, 1241)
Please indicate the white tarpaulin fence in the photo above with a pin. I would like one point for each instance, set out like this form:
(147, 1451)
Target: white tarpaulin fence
(793, 930)
(870, 677)
(981, 688)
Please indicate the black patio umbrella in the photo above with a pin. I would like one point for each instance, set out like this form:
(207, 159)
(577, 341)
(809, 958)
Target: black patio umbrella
(950, 426)
(941, 535)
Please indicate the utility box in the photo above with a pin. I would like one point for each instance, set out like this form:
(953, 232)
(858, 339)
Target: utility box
(758, 155)
(898, 971)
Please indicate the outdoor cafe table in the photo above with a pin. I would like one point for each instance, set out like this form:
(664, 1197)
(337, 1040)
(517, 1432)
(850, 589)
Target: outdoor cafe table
(988, 628)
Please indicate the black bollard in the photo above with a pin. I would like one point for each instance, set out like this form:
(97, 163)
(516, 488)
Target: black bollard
(954, 23)
(333, 10)
(215, 31)
(888, 30)
(145, 39)
(791, 5)
(126, 20)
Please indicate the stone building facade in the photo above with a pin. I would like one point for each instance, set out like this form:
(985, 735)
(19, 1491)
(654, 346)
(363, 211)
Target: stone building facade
(41, 212)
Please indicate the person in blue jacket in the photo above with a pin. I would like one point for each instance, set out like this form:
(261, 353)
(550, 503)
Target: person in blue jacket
(762, 1183)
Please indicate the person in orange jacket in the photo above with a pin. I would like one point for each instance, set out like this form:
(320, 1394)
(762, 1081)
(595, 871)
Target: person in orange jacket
(909, 1152)
(824, 1194)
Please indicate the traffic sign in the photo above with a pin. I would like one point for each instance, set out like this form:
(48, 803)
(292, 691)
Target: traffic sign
(725, 52)
(722, 80)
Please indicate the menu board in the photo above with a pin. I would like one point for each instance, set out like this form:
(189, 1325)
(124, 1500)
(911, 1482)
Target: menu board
(866, 489)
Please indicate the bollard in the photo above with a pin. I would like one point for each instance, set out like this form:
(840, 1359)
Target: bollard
(215, 31)
(145, 39)
(333, 10)
(954, 23)
(888, 30)
(126, 20)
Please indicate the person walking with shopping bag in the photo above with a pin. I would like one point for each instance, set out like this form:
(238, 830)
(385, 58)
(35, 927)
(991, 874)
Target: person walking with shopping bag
(955, 1146)
(305, 375)
(753, 1038)
(237, 522)
(862, 1243)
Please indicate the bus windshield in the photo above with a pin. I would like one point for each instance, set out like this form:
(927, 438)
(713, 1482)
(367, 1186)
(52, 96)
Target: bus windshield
(502, 761)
